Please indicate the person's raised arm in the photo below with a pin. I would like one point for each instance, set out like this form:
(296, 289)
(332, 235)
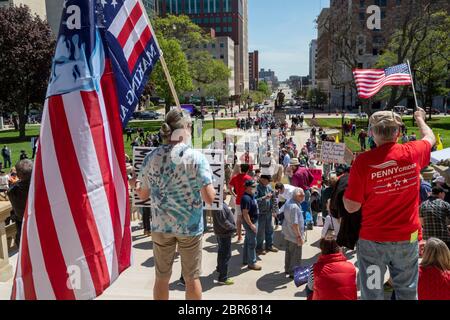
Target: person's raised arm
(425, 131)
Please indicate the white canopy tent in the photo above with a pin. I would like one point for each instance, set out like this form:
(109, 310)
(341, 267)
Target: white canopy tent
(441, 155)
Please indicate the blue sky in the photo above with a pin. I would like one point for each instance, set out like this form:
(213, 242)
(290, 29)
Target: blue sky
(281, 31)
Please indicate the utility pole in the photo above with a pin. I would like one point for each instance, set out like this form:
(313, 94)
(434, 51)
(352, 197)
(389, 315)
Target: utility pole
(343, 112)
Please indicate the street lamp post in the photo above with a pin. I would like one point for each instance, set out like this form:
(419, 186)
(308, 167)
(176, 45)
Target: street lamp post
(343, 113)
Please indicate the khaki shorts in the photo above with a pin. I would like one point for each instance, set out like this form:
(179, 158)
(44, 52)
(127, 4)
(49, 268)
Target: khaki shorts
(164, 251)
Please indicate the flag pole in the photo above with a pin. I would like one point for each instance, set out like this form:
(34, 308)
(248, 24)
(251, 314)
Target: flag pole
(413, 87)
(163, 62)
(169, 80)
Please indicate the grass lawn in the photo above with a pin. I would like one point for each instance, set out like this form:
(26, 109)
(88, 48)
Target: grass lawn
(11, 137)
(439, 125)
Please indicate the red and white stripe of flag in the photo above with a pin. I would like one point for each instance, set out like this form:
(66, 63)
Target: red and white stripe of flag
(76, 218)
(131, 29)
(370, 81)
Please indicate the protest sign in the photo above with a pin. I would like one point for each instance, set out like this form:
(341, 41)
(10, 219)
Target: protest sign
(333, 152)
(216, 161)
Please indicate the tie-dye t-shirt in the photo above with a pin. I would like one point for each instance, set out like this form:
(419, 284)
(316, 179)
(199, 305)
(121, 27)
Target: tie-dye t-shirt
(175, 175)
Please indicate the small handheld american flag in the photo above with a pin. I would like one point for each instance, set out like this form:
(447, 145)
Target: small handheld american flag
(370, 81)
(76, 237)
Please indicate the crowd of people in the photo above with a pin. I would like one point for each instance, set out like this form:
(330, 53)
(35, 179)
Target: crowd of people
(260, 122)
(371, 206)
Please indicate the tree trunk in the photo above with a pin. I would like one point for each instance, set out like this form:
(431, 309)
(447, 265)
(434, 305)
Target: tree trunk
(22, 126)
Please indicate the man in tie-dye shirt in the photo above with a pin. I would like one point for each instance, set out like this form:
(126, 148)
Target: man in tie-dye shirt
(177, 179)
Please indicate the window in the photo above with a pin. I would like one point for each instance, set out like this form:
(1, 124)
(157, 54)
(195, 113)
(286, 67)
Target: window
(222, 45)
(217, 19)
(218, 29)
(222, 57)
(360, 66)
(375, 52)
(227, 5)
(398, 2)
(362, 3)
(383, 14)
(205, 46)
(213, 46)
(362, 16)
(197, 7)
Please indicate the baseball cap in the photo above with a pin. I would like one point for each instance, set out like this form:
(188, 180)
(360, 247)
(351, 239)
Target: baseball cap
(386, 119)
(250, 183)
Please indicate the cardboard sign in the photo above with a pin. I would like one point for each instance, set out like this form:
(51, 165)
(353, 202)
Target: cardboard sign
(333, 152)
(216, 161)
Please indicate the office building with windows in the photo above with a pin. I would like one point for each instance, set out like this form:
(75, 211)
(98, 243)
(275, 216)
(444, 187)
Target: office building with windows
(228, 18)
(253, 64)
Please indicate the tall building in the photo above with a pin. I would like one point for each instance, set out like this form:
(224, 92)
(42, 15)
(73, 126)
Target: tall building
(312, 62)
(36, 6)
(253, 64)
(228, 18)
(54, 12)
(323, 51)
(151, 6)
(269, 77)
(348, 24)
(223, 48)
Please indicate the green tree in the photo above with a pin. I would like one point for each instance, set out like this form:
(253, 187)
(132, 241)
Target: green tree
(206, 73)
(183, 30)
(26, 50)
(218, 91)
(178, 68)
(317, 97)
(264, 88)
(423, 39)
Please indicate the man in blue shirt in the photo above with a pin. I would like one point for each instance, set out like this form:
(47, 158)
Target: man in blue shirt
(249, 208)
(294, 232)
(268, 208)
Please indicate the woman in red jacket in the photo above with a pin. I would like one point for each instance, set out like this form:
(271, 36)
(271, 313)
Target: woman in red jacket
(434, 271)
(334, 277)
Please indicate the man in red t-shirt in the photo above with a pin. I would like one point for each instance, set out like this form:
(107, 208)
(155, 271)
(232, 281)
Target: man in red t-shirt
(237, 189)
(385, 183)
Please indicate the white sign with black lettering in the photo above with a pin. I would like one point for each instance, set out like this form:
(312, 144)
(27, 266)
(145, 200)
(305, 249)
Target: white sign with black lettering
(139, 154)
(333, 152)
(216, 161)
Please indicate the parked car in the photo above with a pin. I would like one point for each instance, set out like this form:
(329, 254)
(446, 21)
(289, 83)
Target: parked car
(433, 111)
(149, 115)
(266, 103)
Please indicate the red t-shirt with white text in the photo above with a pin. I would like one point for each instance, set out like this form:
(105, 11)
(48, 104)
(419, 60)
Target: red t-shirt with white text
(386, 181)
(238, 184)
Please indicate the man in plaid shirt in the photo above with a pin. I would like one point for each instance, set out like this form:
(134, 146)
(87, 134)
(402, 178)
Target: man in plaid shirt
(435, 216)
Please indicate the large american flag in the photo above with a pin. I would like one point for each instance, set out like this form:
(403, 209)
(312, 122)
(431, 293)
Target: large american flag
(76, 236)
(370, 81)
